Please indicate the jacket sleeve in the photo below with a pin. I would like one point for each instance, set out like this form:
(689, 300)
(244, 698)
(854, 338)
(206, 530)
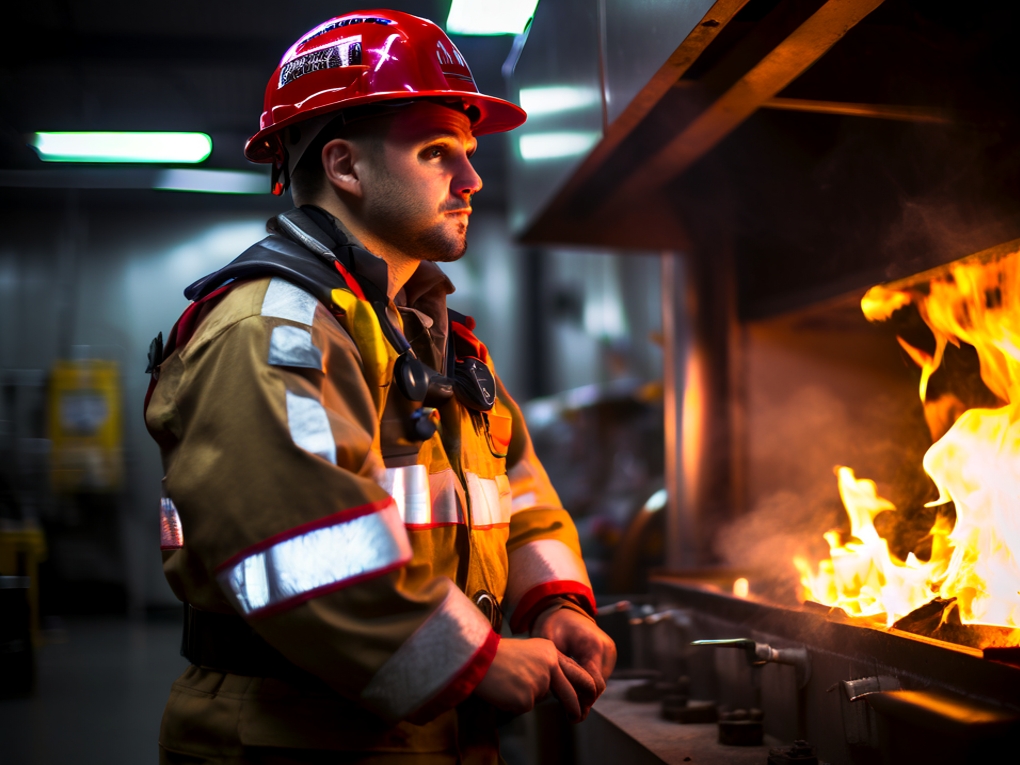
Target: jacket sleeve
(545, 562)
(274, 478)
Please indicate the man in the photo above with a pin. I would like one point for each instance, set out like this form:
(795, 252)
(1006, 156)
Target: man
(351, 498)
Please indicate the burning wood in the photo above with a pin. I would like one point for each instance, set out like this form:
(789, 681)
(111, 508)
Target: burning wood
(972, 575)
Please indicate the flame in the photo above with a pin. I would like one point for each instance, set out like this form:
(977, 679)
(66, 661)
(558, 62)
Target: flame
(974, 463)
(861, 576)
(741, 588)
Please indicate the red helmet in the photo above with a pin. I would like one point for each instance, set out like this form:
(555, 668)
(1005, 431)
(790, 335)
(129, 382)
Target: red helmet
(368, 57)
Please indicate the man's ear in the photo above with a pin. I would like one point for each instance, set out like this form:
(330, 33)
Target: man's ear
(340, 162)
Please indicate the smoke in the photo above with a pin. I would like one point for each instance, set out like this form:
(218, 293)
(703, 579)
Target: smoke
(796, 441)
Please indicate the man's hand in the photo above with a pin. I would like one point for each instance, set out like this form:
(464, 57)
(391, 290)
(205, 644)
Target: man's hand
(525, 671)
(578, 637)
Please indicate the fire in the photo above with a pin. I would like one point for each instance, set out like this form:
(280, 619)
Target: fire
(974, 463)
(862, 577)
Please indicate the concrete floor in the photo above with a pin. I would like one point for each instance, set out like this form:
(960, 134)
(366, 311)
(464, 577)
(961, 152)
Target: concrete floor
(99, 695)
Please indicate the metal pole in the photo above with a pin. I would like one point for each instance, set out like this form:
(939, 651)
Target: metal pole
(681, 546)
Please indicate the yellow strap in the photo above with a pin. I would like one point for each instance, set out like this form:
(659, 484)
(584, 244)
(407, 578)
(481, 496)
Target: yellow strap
(377, 355)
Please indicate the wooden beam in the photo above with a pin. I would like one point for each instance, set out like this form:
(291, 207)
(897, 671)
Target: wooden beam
(783, 64)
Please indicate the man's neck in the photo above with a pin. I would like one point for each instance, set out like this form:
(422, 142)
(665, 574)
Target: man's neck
(399, 266)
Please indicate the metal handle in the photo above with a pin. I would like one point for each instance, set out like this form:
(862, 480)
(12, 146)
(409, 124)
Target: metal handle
(675, 615)
(759, 654)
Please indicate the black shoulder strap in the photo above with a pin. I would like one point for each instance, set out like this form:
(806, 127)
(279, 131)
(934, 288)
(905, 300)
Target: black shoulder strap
(274, 256)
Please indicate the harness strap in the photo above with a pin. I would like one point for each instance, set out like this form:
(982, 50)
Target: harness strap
(181, 333)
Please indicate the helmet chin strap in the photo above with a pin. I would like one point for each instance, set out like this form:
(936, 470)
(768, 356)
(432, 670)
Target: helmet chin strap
(280, 168)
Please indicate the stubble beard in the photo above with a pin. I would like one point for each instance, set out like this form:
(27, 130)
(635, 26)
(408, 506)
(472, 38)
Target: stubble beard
(400, 219)
(438, 245)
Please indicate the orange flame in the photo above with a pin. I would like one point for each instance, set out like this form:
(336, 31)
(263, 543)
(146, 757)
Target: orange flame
(975, 464)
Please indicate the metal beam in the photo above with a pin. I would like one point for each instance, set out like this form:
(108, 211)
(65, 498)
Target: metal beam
(876, 111)
(717, 17)
(788, 60)
(681, 544)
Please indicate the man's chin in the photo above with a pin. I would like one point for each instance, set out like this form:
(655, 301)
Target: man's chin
(440, 247)
(445, 257)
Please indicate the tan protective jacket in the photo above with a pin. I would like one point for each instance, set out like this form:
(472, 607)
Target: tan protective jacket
(293, 497)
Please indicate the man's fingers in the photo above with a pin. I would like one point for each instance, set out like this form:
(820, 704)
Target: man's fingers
(563, 689)
(591, 655)
(583, 684)
(608, 659)
(592, 668)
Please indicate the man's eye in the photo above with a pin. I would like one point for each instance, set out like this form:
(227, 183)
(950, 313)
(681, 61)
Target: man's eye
(434, 152)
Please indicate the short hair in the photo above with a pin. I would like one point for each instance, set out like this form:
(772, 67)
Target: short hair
(308, 176)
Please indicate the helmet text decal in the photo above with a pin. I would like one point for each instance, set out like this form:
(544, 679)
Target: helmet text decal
(345, 53)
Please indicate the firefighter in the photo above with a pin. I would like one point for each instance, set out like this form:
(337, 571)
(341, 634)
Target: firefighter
(351, 500)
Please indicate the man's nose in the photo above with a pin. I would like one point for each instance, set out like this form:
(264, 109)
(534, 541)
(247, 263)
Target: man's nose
(467, 182)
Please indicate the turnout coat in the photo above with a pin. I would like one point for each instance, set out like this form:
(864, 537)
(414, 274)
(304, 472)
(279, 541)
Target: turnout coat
(298, 498)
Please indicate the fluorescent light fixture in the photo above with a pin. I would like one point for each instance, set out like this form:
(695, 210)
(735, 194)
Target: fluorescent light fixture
(537, 146)
(489, 17)
(213, 181)
(656, 502)
(557, 98)
(123, 147)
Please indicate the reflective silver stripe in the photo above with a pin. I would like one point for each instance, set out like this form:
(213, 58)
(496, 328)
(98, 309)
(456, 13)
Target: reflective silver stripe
(541, 562)
(439, 650)
(409, 487)
(283, 300)
(291, 570)
(293, 347)
(523, 502)
(309, 426)
(171, 535)
(423, 499)
(446, 504)
(490, 499)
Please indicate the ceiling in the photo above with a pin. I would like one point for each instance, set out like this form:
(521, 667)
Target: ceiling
(189, 65)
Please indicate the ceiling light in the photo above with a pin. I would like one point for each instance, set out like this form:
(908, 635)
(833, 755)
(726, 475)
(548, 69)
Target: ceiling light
(122, 147)
(213, 181)
(489, 17)
(656, 502)
(557, 98)
(556, 145)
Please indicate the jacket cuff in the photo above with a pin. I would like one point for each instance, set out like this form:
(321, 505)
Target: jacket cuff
(565, 594)
(463, 685)
(558, 602)
(541, 569)
(438, 666)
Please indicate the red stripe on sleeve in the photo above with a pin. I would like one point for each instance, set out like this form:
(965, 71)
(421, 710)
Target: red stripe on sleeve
(532, 603)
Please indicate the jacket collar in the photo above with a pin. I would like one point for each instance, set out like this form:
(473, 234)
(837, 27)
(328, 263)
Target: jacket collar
(425, 291)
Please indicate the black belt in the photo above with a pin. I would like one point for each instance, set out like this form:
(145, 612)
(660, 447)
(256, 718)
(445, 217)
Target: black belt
(226, 643)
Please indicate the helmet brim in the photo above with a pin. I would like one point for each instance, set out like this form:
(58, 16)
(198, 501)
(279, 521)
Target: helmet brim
(495, 115)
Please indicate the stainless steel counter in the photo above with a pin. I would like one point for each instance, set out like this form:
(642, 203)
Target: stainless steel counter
(625, 731)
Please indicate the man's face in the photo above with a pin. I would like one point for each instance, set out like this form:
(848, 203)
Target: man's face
(417, 186)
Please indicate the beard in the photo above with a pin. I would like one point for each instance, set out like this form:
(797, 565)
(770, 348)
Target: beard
(439, 244)
(409, 223)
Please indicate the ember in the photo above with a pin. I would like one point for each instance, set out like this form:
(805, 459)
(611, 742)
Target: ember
(974, 463)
